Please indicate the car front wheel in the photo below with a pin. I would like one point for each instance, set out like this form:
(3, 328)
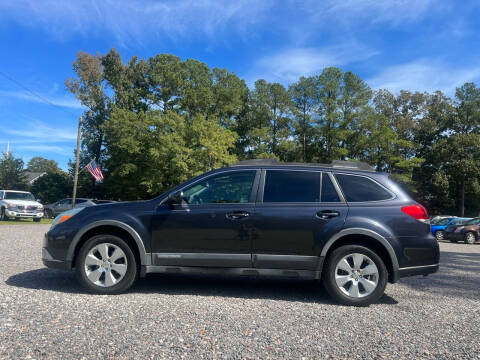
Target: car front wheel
(106, 264)
(470, 238)
(3, 216)
(439, 235)
(355, 275)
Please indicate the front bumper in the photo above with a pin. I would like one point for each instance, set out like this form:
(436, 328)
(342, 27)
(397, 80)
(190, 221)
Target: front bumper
(50, 262)
(24, 214)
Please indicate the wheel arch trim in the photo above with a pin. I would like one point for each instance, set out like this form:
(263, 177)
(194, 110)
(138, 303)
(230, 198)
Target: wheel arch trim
(361, 231)
(144, 260)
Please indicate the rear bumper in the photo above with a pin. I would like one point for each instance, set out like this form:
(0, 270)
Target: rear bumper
(418, 270)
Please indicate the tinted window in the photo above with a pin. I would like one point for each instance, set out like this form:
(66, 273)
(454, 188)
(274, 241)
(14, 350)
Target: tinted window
(359, 188)
(234, 187)
(66, 201)
(291, 186)
(329, 194)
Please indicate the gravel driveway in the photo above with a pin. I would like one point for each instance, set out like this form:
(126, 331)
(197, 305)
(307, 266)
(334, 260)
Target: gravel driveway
(45, 314)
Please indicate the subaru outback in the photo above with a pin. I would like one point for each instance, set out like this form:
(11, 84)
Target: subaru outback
(343, 223)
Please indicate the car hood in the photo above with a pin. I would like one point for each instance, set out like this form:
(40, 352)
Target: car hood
(23, 202)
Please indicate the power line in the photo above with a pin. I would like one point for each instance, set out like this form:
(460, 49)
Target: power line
(35, 94)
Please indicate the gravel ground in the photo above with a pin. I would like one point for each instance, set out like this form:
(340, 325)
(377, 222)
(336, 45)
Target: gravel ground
(45, 314)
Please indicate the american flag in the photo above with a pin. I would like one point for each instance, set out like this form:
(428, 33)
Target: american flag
(94, 169)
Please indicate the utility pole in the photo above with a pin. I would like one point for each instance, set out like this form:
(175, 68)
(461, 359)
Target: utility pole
(77, 162)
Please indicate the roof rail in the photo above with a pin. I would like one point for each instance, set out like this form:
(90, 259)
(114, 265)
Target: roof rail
(336, 164)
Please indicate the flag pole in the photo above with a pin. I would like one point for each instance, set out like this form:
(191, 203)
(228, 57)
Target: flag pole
(77, 162)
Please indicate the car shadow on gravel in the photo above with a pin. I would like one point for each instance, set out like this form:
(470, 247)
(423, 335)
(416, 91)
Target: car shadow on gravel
(197, 285)
(458, 276)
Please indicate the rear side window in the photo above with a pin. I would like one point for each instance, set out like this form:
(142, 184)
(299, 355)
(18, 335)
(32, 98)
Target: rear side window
(329, 193)
(360, 188)
(291, 186)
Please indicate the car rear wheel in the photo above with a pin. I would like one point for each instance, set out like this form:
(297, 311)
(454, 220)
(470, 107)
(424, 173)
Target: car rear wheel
(355, 275)
(440, 235)
(106, 264)
(470, 238)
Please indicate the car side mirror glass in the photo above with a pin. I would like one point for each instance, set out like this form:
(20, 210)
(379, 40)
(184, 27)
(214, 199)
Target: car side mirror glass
(176, 198)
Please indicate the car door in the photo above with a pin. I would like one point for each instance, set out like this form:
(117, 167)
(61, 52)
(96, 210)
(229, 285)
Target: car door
(296, 213)
(212, 228)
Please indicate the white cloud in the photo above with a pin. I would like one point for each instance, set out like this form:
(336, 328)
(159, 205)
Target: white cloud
(35, 131)
(394, 12)
(62, 101)
(134, 20)
(424, 75)
(289, 64)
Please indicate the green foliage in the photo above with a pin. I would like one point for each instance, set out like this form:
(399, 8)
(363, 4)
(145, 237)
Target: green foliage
(11, 173)
(153, 151)
(53, 186)
(40, 164)
(152, 123)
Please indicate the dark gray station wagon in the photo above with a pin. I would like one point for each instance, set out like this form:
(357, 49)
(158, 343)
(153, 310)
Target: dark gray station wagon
(343, 223)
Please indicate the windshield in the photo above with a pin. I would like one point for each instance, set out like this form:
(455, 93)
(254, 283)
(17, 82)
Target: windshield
(441, 221)
(18, 196)
(473, 222)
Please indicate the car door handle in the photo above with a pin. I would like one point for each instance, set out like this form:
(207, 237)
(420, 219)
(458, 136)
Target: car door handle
(327, 214)
(235, 215)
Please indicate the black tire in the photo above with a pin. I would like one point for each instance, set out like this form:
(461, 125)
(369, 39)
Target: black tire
(125, 283)
(49, 214)
(470, 238)
(328, 276)
(36, 219)
(440, 235)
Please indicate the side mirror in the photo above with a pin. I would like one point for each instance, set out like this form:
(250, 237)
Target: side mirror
(176, 198)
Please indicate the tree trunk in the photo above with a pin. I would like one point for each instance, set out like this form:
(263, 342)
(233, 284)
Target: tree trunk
(462, 210)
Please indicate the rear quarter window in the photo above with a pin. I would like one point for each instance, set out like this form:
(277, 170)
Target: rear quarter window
(360, 188)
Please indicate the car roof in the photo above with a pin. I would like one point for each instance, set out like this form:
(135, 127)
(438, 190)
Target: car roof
(356, 166)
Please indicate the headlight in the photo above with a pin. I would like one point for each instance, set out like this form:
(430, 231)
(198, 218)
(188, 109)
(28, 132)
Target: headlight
(65, 216)
(40, 207)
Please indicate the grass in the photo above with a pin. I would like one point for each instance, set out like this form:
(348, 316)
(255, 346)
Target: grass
(25, 222)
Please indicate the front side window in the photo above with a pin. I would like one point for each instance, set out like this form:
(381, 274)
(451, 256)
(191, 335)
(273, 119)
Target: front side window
(360, 188)
(291, 186)
(233, 187)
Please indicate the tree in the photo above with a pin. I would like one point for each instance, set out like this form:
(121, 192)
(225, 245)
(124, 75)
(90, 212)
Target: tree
(11, 173)
(40, 164)
(270, 124)
(153, 151)
(90, 89)
(53, 186)
(303, 98)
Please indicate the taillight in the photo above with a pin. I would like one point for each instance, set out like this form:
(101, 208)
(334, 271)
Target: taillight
(416, 211)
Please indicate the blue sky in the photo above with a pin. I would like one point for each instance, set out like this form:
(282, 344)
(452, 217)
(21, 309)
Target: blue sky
(420, 45)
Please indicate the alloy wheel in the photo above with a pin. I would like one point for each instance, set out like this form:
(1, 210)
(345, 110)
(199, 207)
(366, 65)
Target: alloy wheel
(470, 238)
(106, 265)
(356, 275)
(439, 235)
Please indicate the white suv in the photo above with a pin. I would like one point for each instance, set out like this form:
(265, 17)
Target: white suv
(19, 204)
